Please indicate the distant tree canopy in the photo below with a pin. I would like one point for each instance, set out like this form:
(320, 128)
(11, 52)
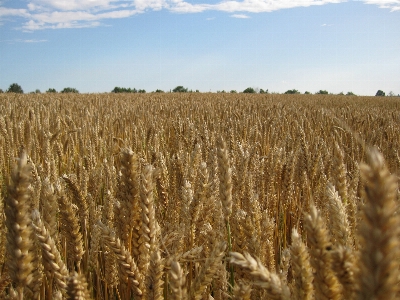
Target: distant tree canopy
(307, 93)
(70, 90)
(15, 88)
(294, 91)
(249, 90)
(180, 89)
(1, 91)
(50, 90)
(380, 93)
(322, 92)
(350, 94)
(118, 89)
(263, 92)
(159, 91)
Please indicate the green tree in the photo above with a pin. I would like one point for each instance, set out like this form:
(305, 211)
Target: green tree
(233, 92)
(249, 90)
(294, 91)
(70, 90)
(180, 89)
(380, 93)
(159, 91)
(307, 93)
(322, 92)
(37, 91)
(263, 92)
(350, 94)
(15, 88)
(141, 91)
(50, 90)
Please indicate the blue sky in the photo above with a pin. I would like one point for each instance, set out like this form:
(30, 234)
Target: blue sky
(209, 45)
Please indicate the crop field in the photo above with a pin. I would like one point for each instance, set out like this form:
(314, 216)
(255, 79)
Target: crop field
(199, 196)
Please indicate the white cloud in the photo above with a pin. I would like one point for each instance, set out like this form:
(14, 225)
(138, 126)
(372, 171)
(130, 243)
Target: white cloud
(150, 4)
(240, 16)
(13, 12)
(34, 41)
(41, 14)
(23, 41)
(71, 4)
(394, 5)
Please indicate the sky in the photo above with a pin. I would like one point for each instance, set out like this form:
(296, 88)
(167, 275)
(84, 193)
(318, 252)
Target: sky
(205, 45)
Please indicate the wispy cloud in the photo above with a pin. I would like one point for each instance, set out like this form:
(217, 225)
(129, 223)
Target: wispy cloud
(43, 14)
(22, 41)
(33, 41)
(240, 16)
(324, 25)
(393, 5)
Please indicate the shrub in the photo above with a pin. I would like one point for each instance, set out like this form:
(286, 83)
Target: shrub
(249, 90)
(180, 89)
(70, 90)
(15, 88)
(292, 92)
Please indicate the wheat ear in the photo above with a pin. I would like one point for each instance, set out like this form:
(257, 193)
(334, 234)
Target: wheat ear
(77, 287)
(18, 222)
(301, 269)
(325, 282)
(128, 270)
(53, 264)
(271, 282)
(154, 282)
(208, 271)
(379, 262)
(177, 281)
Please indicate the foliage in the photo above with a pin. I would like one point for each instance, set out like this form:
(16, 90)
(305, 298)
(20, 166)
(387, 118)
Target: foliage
(123, 90)
(294, 91)
(70, 90)
(233, 92)
(322, 92)
(380, 93)
(307, 93)
(180, 89)
(263, 92)
(350, 94)
(249, 90)
(159, 91)
(15, 88)
(50, 90)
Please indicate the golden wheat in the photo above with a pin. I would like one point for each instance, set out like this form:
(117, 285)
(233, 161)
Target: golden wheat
(199, 196)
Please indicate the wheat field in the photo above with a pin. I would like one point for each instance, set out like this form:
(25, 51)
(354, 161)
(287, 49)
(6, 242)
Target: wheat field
(199, 196)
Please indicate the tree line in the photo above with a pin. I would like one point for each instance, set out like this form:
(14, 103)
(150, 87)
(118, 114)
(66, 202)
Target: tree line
(16, 88)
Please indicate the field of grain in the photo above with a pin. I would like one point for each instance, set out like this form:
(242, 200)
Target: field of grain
(199, 196)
